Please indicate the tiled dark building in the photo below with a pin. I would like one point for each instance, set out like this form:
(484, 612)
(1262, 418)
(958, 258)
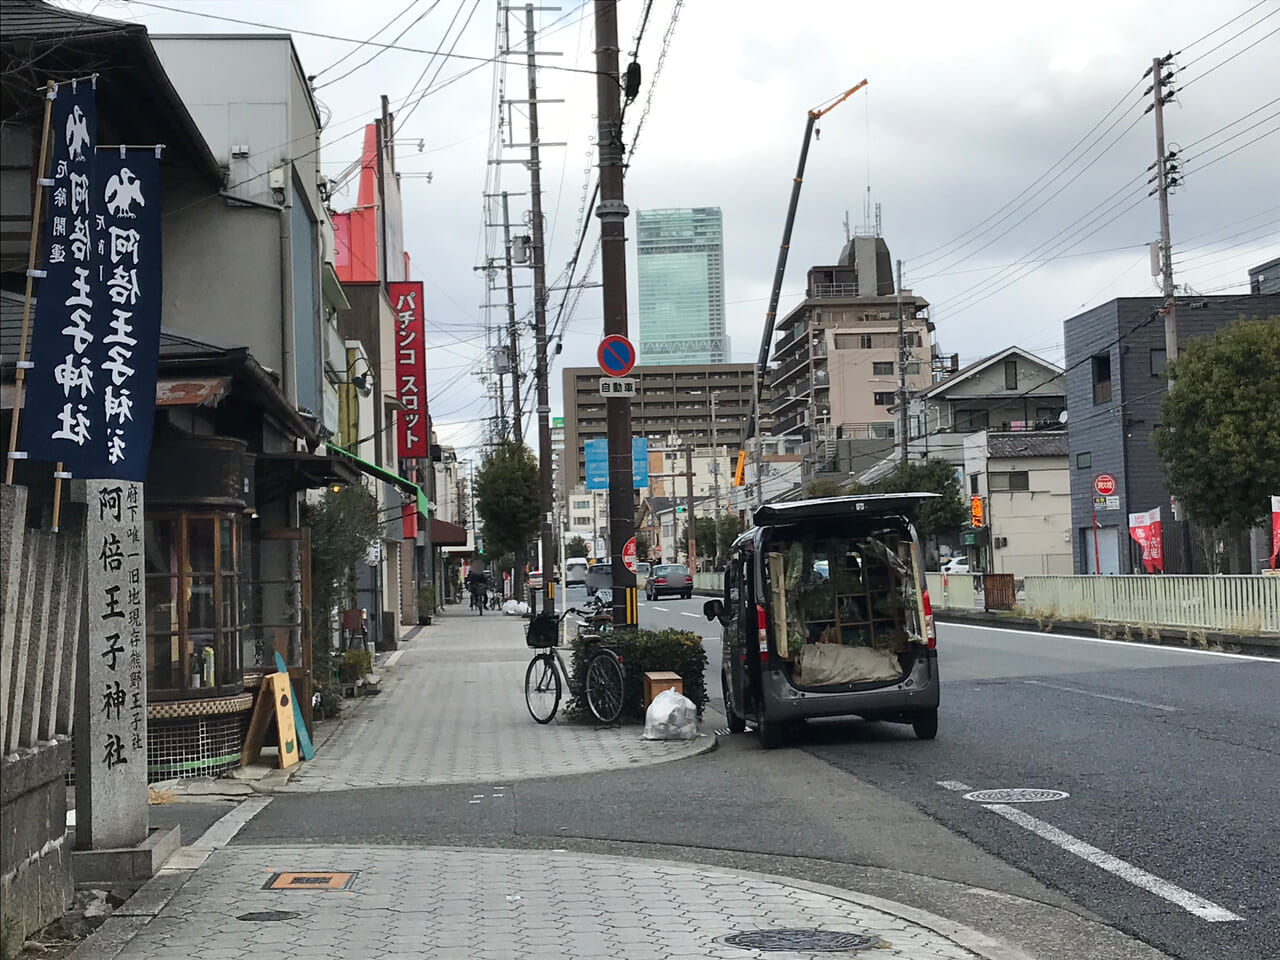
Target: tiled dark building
(1115, 356)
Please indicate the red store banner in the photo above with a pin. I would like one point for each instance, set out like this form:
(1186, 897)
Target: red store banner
(411, 370)
(1275, 530)
(1145, 529)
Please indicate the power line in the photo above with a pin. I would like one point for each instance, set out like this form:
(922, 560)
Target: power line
(1231, 124)
(927, 258)
(1250, 143)
(1223, 26)
(1234, 136)
(364, 63)
(1223, 63)
(405, 119)
(363, 44)
(330, 36)
(1235, 36)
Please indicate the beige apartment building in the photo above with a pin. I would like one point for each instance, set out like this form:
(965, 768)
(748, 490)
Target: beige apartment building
(834, 371)
(703, 404)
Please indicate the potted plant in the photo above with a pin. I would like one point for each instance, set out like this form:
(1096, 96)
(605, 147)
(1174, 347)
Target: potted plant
(426, 603)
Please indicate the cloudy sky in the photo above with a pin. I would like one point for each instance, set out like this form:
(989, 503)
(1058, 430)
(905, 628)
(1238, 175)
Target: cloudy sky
(1005, 143)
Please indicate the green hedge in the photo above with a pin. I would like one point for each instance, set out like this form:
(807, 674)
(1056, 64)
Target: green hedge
(642, 651)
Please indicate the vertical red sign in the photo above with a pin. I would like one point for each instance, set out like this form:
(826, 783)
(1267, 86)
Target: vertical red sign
(411, 369)
(1145, 529)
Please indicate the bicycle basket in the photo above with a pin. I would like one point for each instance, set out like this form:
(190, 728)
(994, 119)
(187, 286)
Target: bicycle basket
(543, 631)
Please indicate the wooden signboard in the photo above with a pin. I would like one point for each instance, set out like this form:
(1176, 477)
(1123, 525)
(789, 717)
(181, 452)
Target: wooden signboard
(275, 698)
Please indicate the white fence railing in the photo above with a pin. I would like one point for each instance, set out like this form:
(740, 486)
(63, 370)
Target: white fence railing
(1233, 604)
(1236, 604)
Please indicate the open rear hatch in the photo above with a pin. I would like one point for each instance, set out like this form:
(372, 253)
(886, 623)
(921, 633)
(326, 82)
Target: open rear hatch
(846, 604)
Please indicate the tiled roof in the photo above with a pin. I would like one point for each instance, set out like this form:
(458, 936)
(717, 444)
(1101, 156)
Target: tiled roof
(1052, 443)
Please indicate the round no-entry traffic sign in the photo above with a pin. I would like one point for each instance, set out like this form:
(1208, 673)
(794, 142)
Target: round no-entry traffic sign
(1104, 484)
(616, 355)
(629, 555)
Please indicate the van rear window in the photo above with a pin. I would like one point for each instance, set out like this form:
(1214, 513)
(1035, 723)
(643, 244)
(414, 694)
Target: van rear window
(853, 591)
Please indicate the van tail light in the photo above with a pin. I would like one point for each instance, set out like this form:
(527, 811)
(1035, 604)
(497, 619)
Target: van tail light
(762, 630)
(930, 631)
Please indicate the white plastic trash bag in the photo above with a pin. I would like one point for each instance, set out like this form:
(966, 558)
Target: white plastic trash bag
(671, 716)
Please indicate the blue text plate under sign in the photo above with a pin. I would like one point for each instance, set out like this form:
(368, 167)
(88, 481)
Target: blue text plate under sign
(616, 355)
(617, 387)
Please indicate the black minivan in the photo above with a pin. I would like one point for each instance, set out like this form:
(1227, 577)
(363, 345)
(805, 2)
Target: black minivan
(826, 613)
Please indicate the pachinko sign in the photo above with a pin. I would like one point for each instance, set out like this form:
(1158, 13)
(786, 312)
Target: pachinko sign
(411, 369)
(1275, 530)
(1144, 528)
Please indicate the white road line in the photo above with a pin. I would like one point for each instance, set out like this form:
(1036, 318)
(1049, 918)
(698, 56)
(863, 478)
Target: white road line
(954, 785)
(661, 609)
(686, 613)
(1103, 696)
(1123, 869)
(1122, 643)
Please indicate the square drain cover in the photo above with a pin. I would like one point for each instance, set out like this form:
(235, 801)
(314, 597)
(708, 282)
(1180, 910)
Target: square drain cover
(310, 881)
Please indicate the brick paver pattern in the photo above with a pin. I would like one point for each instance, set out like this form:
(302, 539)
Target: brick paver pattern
(453, 711)
(499, 905)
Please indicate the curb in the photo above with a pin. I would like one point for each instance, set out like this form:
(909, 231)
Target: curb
(1263, 645)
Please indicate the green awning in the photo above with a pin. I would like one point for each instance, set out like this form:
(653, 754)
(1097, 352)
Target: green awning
(373, 470)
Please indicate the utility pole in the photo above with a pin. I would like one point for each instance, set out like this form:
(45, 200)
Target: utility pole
(902, 374)
(715, 470)
(693, 526)
(513, 333)
(1163, 176)
(540, 321)
(612, 212)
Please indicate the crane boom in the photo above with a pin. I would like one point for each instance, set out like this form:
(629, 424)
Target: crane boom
(775, 294)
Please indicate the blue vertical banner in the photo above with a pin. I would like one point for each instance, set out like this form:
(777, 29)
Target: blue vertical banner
(95, 345)
(128, 279)
(60, 408)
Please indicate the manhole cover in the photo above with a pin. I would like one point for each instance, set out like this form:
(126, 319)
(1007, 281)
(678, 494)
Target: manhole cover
(266, 916)
(309, 881)
(1016, 795)
(799, 939)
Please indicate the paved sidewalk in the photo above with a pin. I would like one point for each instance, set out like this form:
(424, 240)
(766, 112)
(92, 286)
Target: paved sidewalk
(452, 710)
(508, 905)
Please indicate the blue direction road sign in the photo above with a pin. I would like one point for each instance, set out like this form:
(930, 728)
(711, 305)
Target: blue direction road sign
(616, 355)
(597, 456)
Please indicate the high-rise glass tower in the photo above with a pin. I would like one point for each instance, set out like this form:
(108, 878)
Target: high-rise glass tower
(680, 272)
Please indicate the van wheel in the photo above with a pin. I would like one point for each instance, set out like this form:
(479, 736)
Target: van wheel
(737, 724)
(926, 725)
(772, 733)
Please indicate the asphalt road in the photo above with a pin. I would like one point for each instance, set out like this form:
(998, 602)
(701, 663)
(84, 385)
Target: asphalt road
(1171, 760)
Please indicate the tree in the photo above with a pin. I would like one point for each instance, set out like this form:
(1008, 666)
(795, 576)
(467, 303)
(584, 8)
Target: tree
(932, 476)
(507, 499)
(823, 487)
(343, 524)
(642, 545)
(704, 532)
(728, 526)
(1219, 437)
(575, 546)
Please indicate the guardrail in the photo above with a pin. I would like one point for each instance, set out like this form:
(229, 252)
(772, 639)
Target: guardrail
(1233, 604)
(710, 584)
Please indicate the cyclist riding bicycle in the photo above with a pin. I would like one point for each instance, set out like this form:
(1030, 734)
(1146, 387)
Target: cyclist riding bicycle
(478, 586)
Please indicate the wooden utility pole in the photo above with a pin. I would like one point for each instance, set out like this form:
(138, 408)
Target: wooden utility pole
(612, 212)
(540, 321)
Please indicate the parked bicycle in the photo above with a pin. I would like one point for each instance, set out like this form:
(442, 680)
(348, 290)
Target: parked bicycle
(602, 678)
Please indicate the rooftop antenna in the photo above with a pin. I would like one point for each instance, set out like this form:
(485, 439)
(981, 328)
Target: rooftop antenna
(846, 226)
(878, 233)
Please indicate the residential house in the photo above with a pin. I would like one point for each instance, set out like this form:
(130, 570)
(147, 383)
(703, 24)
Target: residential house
(1114, 383)
(1010, 389)
(1023, 480)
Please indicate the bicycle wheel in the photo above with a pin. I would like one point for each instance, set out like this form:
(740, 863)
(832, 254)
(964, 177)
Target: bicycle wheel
(604, 686)
(542, 687)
